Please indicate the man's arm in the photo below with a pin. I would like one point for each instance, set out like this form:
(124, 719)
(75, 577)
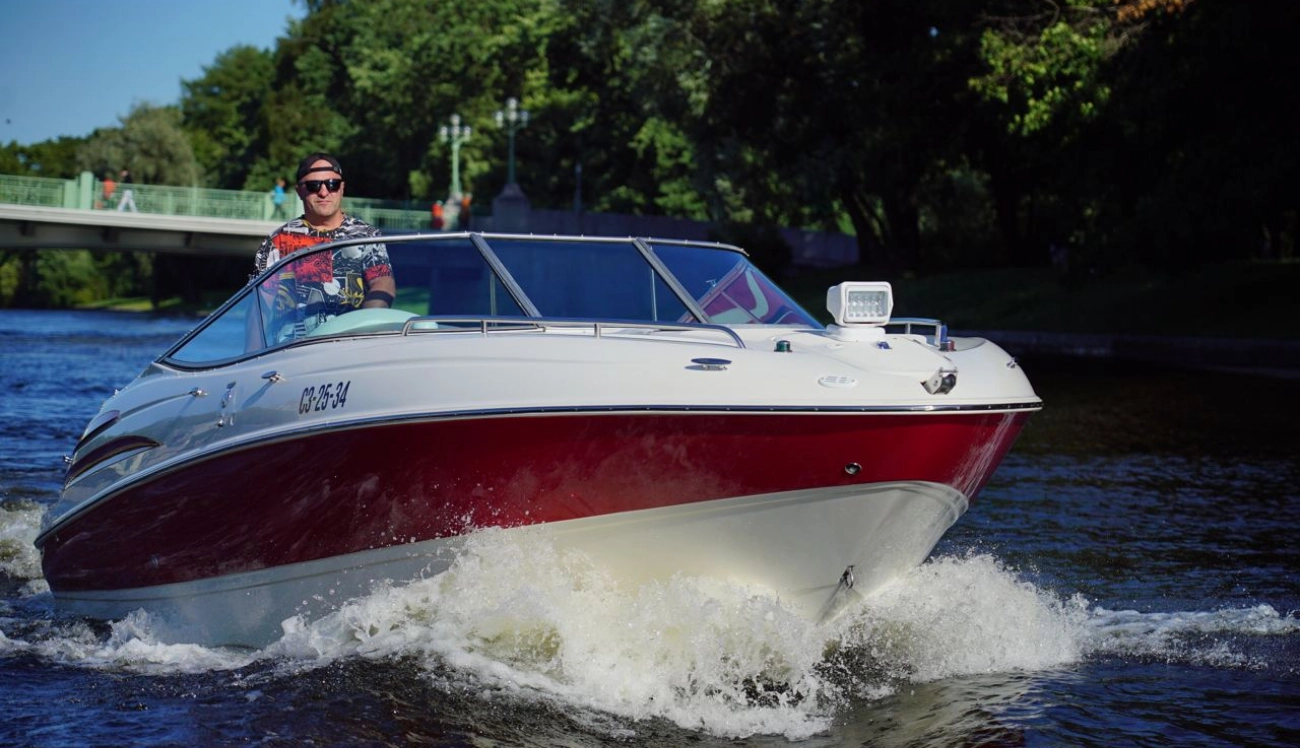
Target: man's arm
(381, 290)
(380, 293)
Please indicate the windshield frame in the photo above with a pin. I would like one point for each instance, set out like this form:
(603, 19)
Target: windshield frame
(500, 270)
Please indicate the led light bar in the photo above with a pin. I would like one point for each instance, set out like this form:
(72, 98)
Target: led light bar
(867, 303)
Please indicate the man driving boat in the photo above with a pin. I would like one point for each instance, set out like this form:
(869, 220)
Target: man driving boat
(326, 284)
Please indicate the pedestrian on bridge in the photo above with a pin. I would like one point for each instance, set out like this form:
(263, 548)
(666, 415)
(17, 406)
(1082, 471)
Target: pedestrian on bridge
(128, 195)
(109, 188)
(464, 214)
(279, 199)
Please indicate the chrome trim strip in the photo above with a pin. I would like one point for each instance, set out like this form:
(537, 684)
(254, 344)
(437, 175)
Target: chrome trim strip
(738, 409)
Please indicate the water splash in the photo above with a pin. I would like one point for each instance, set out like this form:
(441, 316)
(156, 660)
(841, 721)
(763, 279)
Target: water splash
(519, 617)
(956, 617)
(1201, 638)
(519, 621)
(20, 522)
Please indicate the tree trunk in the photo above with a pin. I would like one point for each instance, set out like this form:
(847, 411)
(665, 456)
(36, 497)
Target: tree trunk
(903, 247)
(868, 229)
(1006, 203)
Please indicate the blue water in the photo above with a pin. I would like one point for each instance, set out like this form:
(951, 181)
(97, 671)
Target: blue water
(1129, 577)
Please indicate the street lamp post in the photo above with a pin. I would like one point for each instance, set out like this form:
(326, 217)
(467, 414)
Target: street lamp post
(455, 134)
(512, 119)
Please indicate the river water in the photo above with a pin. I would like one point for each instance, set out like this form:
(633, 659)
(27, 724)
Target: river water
(1129, 577)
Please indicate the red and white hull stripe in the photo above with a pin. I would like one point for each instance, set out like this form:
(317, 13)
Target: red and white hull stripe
(788, 500)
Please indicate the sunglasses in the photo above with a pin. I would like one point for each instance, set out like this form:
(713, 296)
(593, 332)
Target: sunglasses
(313, 185)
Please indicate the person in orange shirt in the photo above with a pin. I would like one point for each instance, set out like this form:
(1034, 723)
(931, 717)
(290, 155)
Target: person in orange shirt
(465, 215)
(109, 188)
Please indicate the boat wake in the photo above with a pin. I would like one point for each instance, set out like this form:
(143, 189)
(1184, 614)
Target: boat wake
(516, 619)
(20, 562)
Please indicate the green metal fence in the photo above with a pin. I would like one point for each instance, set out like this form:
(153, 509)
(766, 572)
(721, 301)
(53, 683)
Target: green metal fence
(33, 191)
(185, 201)
(388, 218)
(87, 193)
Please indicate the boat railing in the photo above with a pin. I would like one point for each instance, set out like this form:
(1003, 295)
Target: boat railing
(600, 328)
(939, 331)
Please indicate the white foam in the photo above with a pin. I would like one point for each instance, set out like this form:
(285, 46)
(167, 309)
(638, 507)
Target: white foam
(131, 645)
(965, 616)
(518, 620)
(514, 615)
(1184, 636)
(20, 523)
(521, 618)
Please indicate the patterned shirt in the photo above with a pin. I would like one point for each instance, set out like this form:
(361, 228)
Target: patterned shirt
(325, 284)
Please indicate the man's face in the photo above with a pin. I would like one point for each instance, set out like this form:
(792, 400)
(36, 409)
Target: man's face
(320, 204)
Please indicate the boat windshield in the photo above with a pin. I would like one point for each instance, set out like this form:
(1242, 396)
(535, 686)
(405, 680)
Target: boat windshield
(314, 293)
(729, 289)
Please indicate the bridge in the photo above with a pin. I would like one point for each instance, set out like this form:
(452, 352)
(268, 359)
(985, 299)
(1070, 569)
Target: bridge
(44, 213)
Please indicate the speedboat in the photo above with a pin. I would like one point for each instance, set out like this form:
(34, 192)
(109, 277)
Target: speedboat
(659, 405)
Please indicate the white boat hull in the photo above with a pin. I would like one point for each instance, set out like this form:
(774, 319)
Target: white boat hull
(877, 532)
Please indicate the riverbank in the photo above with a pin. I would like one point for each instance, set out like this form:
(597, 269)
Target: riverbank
(171, 307)
(1232, 300)
(1239, 316)
(1271, 357)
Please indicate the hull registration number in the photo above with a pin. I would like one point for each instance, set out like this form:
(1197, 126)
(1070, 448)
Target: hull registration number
(328, 396)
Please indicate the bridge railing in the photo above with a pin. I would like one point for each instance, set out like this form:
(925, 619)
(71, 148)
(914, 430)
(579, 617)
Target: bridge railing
(50, 193)
(185, 201)
(87, 193)
(388, 219)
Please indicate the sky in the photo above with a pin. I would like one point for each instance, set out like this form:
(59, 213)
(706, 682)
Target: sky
(70, 66)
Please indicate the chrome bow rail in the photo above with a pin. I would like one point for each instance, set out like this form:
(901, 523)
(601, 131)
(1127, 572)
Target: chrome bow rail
(939, 331)
(600, 328)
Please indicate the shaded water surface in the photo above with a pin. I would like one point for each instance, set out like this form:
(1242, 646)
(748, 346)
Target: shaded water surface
(1127, 578)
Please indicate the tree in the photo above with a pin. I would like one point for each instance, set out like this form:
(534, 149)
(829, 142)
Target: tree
(224, 116)
(1042, 90)
(799, 110)
(619, 81)
(1207, 149)
(150, 143)
(56, 158)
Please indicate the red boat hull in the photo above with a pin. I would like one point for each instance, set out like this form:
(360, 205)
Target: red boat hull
(355, 489)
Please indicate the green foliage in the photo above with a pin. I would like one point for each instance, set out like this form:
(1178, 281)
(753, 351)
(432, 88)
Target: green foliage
(942, 133)
(957, 220)
(222, 115)
(56, 159)
(1204, 139)
(150, 143)
(1044, 77)
(60, 278)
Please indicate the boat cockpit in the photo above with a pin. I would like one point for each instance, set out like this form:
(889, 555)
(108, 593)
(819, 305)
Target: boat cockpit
(465, 278)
